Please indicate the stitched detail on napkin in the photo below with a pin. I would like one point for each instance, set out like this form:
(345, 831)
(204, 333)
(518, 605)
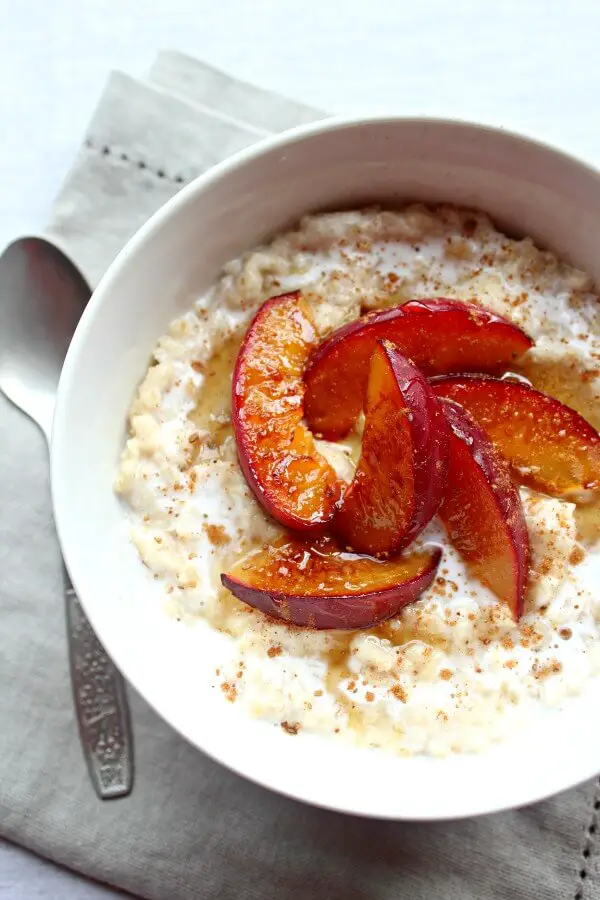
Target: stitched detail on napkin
(163, 138)
(589, 844)
(105, 150)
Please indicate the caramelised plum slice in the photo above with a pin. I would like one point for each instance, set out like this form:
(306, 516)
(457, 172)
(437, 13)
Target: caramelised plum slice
(401, 473)
(440, 336)
(548, 445)
(316, 584)
(482, 511)
(289, 477)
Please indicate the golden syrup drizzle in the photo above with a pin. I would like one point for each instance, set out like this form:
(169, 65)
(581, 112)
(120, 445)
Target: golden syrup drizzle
(214, 395)
(569, 382)
(339, 651)
(587, 519)
(400, 634)
(397, 633)
(573, 385)
(338, 672)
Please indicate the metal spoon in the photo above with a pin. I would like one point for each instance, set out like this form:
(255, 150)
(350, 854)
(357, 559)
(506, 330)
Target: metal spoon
(42, 296)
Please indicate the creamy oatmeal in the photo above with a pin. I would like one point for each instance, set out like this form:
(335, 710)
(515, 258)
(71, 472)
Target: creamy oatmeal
(453, 672)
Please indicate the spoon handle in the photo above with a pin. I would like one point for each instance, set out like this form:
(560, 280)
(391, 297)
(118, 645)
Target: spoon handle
(100, 704)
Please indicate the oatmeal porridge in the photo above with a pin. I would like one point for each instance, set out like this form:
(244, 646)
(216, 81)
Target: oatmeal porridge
(456, 669)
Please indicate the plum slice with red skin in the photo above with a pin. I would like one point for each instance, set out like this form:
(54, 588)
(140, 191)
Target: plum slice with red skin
(482, 511)
(292, 481)
(549, 446)
(401, 474)
(317, 584)
(439, 335)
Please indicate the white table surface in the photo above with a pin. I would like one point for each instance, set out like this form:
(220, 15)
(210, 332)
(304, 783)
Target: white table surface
(529, 64)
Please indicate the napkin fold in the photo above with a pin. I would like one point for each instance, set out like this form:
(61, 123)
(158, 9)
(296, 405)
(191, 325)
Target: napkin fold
(192, 830)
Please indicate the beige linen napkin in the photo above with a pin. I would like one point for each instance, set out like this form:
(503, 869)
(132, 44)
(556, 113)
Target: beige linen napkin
(192, 830)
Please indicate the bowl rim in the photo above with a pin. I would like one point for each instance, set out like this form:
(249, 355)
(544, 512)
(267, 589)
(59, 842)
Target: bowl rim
(60, 494)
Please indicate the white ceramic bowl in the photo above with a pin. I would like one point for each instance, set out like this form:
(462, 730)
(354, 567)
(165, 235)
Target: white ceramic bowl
(528, 188)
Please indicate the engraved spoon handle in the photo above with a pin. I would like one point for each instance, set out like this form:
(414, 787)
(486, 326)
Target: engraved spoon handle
(100, 704)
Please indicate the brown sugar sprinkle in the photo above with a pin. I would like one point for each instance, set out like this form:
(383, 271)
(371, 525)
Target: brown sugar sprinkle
(520, 299)
(274, 650)
(446, 674)
(510, 664)
(290, 727)
(399, 693)
(545, 567)
(507, 642)
(217, 534)
(590, 375)
(198, 366)
(442, 716)
(565, 633)
(318, 693)
(230, 691)
(369, 696)
(352, 686)
(458, 248)
(576, 556)
(530, 635)
(541, 671)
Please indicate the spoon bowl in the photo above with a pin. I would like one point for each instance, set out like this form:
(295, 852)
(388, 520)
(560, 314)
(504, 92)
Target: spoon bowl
(42, 297)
